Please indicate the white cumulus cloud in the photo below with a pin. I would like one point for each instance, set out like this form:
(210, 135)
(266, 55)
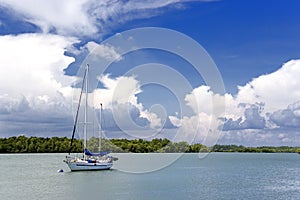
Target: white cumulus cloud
(85, 17)
(268, 102)
(120, 95)
(66, 16)
(102, 51)
(33, 84)
(289, 117)
(277, 90)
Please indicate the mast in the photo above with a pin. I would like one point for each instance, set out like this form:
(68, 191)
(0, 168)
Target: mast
(77, 112)
(100, 127)
(86, 107)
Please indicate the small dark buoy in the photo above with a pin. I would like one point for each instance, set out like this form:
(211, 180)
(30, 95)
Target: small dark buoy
(60, 171)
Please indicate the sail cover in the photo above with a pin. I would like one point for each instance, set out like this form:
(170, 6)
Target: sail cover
(88, 153)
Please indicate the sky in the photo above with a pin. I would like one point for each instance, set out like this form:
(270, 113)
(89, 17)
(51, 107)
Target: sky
(207, 71)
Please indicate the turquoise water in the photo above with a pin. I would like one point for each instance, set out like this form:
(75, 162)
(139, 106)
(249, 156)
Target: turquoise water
(216, 176)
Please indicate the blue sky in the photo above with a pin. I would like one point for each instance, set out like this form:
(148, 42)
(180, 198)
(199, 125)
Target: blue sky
(245, 39)
(254, 44)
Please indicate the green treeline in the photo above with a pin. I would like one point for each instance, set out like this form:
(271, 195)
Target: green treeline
(24, 144)
(263, 149)
(144, 146)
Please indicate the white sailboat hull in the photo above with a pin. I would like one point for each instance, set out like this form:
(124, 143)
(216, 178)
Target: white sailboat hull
(85, 166)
